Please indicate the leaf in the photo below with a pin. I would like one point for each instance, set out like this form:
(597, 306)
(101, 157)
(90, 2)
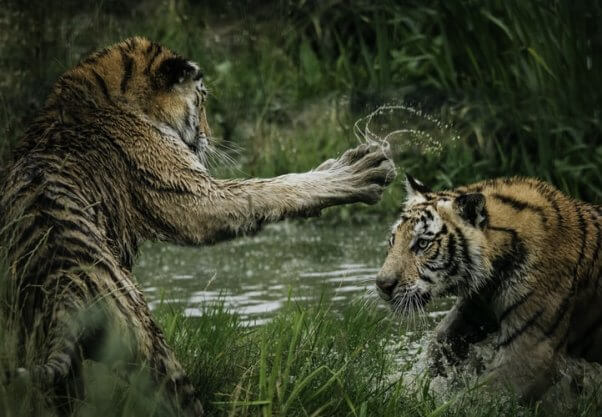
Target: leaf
(541, 61)
(310, 65)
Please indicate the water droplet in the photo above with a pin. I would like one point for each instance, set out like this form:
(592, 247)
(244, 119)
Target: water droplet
(405, 128)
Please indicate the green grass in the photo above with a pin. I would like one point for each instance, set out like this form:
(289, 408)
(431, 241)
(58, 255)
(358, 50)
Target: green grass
(305, 362)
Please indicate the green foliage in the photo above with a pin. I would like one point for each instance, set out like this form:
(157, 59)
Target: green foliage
(306, 361)
(518, 81)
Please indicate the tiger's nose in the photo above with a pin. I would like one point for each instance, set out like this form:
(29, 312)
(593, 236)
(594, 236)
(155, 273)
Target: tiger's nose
(386, 284)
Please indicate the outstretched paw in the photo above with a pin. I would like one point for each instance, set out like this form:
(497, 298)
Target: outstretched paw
(365, 171)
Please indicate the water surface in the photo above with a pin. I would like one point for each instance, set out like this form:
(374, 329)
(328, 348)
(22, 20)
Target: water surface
(255, 275)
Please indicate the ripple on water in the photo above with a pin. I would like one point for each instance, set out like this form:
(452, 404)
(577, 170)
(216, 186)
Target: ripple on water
(343, 272)
(255, 276)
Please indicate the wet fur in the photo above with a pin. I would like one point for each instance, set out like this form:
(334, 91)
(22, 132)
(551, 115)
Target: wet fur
(524, 261)
(116, 158)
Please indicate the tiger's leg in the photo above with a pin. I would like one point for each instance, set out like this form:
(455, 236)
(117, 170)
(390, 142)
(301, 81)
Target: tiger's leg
(527, 369)
(62, 368)
(179, 387)
(72, 328)
(529, 342)
(214, 210)
(467, 322)
(166, 369)
(585, 338)
(82, 334)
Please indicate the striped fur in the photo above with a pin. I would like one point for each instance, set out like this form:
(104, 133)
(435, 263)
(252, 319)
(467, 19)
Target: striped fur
(116, 158)
(524, 261)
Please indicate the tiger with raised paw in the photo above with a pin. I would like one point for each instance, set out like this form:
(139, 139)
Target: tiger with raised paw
(116, 158)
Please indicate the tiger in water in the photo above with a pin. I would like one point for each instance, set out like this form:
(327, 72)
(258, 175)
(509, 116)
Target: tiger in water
(116, 158)
(524, 261)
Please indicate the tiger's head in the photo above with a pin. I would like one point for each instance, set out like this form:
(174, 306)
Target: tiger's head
(140, 78)
(437, 247)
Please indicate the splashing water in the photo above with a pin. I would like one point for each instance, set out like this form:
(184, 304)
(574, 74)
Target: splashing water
(405, 128)
(576, 379)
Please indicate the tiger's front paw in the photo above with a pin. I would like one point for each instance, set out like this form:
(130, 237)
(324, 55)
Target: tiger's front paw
(435, 360)
(362, 172)
(443, 356)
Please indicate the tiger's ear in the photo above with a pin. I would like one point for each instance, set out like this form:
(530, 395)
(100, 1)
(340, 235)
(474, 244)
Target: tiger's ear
(176, 70)
(415, 188)
(471, 207)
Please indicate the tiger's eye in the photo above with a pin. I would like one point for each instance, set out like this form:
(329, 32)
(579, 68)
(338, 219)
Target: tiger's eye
(423, 243)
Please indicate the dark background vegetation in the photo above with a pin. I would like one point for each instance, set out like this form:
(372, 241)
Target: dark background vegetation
(519, 82)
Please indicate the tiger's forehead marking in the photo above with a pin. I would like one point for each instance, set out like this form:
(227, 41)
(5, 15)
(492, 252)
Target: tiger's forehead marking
(428, 222)
(424, 217)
